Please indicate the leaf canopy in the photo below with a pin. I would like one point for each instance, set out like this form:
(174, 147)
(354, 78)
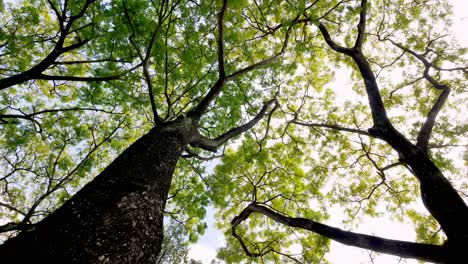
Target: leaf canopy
(78, 79)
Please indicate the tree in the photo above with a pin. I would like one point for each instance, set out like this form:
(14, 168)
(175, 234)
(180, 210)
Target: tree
(185, 78)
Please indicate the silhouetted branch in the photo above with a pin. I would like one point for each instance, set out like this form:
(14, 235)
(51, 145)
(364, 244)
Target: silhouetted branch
(405, 249)
(213, 92)
(213, 144)
(361, 25)
(333, 127)
(36, 72)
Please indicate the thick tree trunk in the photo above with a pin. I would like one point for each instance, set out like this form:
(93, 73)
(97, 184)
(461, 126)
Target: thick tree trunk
(116, 218)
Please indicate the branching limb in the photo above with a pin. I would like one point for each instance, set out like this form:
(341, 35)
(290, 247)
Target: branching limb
(438, 195)
(361, 26)
(379, 114)
(426, 129)
(213, 144)
(72, 62)
(36, 72)
(11, 208)
(192, 154)
(427, 252)
(332, 127)
(214, 91)
(164, 12)
(423, 59)
(217, 87)
(75, 78)
(32, 116)
(263, 62)
(332, 44)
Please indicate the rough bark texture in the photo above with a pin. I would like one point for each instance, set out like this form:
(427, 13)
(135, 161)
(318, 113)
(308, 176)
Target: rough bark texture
(116, 218)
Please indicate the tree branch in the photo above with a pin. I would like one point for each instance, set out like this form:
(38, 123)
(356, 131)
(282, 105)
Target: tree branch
(438, 195)
(424, 134)
(379, 114)
(31, 115)
(36, 71)
(220, 41)
(361, 26)
(162, 16)
(427, 252)
(333, 127)
(15, 226)
(425, 131)
(213, 144)
(12, 208)
(263, 62)
(217, 87)
(75, 78)
(331, 43)
(90, 61)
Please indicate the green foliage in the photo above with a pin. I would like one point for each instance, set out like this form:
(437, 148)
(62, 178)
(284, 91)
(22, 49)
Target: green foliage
(274, 175)
(175, 245)
(188, 198)
(56, 135)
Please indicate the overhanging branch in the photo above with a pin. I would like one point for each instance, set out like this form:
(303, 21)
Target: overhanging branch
(426, 252)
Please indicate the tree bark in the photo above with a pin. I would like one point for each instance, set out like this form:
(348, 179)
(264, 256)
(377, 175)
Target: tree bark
(116, 218)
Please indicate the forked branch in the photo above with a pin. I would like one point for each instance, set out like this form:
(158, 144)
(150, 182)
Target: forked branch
(426, 129)
(213, 144)
(214, 91)
(37, 71)
(379, 114)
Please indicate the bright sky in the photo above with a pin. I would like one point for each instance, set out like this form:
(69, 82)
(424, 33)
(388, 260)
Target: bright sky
(205, 249)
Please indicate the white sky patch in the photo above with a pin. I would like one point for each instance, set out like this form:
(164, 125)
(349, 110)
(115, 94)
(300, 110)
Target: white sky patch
(202, 252)
(460, 21)
(341, 85)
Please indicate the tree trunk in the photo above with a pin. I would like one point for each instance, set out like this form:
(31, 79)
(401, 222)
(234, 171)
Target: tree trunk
(116, 218)
(438, 195)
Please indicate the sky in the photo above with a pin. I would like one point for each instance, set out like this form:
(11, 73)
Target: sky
(205, 249)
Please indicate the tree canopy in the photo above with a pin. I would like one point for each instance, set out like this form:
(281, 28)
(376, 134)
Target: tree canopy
(273, 142)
